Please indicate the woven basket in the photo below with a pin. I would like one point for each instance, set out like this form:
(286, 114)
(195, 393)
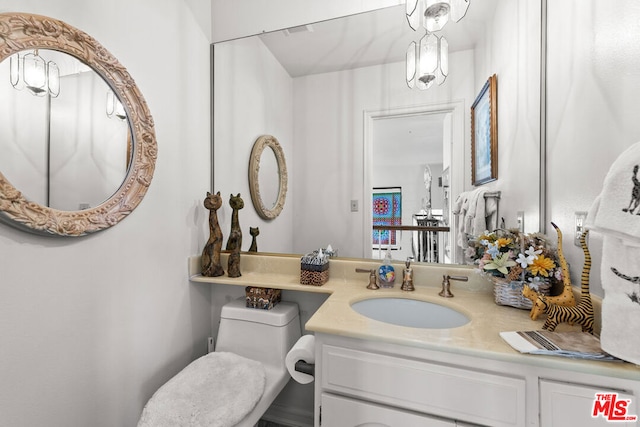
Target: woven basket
(510, 292)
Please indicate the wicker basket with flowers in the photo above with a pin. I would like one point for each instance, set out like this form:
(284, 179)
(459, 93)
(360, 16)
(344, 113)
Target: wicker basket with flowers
(510, 259)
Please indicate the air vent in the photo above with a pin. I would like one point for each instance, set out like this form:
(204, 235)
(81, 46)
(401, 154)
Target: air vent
(298, 29)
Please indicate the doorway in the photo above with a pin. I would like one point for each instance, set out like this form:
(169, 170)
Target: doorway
(414, 161)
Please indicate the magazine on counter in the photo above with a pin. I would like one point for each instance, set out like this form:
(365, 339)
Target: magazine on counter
(576, 344)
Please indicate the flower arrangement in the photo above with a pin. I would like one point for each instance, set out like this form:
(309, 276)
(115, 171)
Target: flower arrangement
(510, 255)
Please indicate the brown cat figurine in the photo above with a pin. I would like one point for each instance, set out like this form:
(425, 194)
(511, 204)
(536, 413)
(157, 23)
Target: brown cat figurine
(234, 244)
(254, 231)
(211, 265)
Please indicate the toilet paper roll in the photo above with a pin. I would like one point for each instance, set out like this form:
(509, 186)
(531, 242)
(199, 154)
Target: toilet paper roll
(303, 349)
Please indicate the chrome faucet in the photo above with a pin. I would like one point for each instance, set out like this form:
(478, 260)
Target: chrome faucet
(372, 277)
(446, 286)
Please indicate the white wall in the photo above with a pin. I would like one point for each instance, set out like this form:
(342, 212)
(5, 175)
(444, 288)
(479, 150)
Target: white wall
(329, 135)
(92, 326)
(255, 104)
(512, 52)
(592, 109)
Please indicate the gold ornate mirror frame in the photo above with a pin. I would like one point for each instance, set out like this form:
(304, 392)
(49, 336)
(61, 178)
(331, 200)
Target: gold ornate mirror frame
(21, 31)
(254, 169)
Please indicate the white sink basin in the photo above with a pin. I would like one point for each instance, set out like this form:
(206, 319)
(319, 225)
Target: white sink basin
(409, 312)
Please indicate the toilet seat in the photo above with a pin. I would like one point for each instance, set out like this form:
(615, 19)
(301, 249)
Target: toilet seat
(218, 389)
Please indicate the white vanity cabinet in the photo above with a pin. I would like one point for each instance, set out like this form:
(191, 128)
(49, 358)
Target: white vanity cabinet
(368, 383)
(567, 404)
(343, 411)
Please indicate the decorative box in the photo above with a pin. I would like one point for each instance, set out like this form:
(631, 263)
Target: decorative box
(314, 269)
(262, 298)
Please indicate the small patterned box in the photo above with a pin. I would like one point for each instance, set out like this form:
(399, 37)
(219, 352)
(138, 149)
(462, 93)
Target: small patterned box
(314, 269)
(263, 298)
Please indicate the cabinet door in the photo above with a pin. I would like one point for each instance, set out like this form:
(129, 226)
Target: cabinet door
(564, 404)
(338, 411)
(429, 388)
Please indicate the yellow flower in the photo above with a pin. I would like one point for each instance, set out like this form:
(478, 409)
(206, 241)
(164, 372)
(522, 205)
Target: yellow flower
(503, 241)
(542, 265)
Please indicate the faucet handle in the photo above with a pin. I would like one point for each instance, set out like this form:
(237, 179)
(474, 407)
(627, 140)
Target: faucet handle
(372, 277)
(446, 285)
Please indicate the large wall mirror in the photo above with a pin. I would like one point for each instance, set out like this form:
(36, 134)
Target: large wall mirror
(77, 139)
(335, 94)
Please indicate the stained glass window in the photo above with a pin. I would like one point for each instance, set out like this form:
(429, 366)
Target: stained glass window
(387, 210)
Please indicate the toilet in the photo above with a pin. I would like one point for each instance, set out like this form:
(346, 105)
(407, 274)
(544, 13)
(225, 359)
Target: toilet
(235, 384)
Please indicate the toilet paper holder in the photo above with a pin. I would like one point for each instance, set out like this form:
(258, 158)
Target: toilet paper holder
(305, 368)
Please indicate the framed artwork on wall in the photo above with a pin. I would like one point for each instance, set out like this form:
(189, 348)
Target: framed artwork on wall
(387, 210)
(484, 134)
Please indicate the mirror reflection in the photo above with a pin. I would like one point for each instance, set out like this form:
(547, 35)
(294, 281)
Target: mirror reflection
(325, 87)
(64, 135)
(268, 178)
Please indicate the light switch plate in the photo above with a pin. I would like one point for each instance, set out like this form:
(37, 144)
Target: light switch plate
(520, 221)
(354, 206)
(581, 217)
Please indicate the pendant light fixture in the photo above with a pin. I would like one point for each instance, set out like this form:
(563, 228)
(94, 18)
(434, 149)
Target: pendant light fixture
(32, 72)
(428, 60)
(115, 109)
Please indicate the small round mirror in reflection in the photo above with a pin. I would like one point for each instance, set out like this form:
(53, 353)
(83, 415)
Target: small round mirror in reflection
(269, 178)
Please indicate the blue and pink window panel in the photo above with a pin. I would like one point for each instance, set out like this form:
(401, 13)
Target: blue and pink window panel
(387, 210)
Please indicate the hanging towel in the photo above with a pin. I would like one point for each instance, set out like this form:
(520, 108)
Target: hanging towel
(470, 207)
(616, 211)
(616, 215)
(621, 305)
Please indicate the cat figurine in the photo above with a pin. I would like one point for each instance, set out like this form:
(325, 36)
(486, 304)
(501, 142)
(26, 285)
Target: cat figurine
(254, 231)
(211, 265)
(234, 244)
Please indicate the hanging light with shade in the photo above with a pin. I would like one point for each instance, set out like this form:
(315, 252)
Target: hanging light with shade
(428, 61)
(32, 72)
(115, 109)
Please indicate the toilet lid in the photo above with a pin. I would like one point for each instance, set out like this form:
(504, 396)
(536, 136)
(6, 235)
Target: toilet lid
(218, 389)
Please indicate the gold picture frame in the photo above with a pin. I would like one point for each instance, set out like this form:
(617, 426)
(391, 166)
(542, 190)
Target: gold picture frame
(484, 134)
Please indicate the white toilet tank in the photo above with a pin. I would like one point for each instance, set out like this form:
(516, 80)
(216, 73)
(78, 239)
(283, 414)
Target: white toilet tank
(262, 335)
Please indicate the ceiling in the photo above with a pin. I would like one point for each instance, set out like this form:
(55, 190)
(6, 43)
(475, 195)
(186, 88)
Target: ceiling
(371, 38)
(408, 140)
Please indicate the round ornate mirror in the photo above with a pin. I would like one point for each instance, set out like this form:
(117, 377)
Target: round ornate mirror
(268, 188)
(93, 127)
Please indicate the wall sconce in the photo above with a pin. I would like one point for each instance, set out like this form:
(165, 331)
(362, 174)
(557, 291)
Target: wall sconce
(35, 74)
(114, 107)
(428, 61)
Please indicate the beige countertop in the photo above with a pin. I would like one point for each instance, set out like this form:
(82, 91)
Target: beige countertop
(479, 338)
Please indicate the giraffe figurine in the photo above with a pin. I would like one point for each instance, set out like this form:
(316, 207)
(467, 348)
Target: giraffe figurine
(211, 265)
(234, 244)
(566, 298)
(582, 313)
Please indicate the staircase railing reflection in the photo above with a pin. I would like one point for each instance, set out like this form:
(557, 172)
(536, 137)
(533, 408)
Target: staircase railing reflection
(432, 242)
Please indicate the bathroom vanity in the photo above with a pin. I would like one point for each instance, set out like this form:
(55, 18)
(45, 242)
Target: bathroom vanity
(370, 371)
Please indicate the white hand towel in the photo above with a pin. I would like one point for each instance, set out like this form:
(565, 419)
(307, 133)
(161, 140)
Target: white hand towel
(460, 208)
(477, 213)
(616, 214)
(616, 211)
(621, 305)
